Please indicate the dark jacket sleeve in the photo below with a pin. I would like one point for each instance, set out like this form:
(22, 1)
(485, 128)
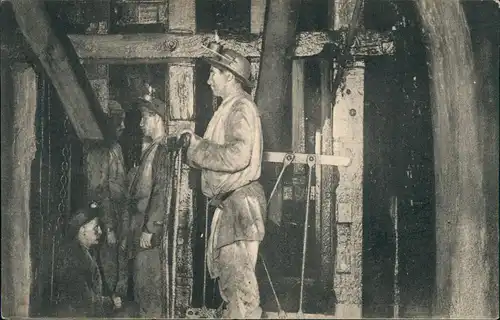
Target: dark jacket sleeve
(155, 213)
(96, 165)
(232, 156)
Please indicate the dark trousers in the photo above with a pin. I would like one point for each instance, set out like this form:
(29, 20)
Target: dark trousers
(148, 283)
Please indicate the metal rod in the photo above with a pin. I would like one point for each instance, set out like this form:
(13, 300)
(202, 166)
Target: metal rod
(394, 214)
(286, 161)
(310, 162)
(205, 265)
(166, 242)
(178, 165)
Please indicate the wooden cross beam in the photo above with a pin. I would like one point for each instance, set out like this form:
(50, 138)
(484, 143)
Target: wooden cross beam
(153, 48)
(80, 104)
(321, 159)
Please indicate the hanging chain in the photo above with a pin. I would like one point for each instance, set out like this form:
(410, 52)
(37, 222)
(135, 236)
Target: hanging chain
(64, 180)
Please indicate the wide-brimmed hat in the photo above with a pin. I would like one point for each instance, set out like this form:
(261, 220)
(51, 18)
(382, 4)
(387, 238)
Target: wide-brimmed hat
(230, 60)
(82, 217)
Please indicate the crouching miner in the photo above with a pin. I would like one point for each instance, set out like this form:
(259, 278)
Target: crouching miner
(230, 155)
(77, 279)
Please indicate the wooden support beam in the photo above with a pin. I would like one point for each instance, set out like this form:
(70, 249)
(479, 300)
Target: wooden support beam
(254, 73)
(348, 141)
(18, 152)
(180, 89)
(98, 73)
(298, 128)
(180, 93)
(326, 183)
(182, 16)
(257, 13)
(79, 104)
(152, 48)
(301, 158)
(341, 12)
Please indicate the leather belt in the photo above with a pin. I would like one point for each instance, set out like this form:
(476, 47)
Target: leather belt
(217, 200)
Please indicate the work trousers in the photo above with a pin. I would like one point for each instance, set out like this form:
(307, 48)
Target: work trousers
(114, 265)
(148, 283)
(235, 265)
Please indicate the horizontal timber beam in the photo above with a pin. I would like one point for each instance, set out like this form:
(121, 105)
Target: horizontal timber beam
(320, 159)
(151, 48)
(61, 68)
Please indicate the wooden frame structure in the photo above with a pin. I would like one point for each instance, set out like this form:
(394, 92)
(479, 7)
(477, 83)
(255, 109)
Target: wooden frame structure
(339, 210)
(341, 133)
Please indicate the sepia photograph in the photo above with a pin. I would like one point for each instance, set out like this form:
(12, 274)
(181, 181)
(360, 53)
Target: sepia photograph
(250, 159)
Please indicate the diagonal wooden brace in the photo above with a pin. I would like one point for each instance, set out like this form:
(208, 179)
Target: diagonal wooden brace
(321, 159)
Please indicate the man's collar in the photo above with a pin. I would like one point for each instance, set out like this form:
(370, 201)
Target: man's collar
(236, 93)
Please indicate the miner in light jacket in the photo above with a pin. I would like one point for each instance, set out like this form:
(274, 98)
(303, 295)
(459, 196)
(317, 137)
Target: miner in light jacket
(230, 156)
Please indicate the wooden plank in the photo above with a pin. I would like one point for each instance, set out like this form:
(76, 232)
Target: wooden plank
(301, 158)
(182, 16)
(254, 72)
(180, 89)
(328, 180)
(257, 13)
(35, 26)
(180, 94)
(298, 128)
(155, 47)
(142, 12)
(298, 116)
(348, 141)
(98, 74)
(342, 12)
(18, 152)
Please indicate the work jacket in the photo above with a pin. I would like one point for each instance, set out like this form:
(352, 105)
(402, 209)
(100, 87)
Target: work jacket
(230, 157)
(106, 184)
(148, 194)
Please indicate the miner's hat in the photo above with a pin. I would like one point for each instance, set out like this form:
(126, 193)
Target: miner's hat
(150, 102)
(82, 217)
(230, 60)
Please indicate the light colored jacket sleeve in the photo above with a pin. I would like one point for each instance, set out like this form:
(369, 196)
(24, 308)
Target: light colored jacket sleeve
(235, 153)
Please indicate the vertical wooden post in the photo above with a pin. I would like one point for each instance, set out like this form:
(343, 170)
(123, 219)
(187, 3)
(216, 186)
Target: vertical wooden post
(298, 128)
(255, 64)
(327, 178)
(98, 74)
(182, 16)
(348, 141)
(257, 12)
(16, 186)
(347, 123)
(180, 96)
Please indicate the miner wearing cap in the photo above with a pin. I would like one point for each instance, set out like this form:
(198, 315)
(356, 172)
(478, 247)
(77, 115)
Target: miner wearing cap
(147, 192)
(106, 183)
(77, 279)
(229, 156)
